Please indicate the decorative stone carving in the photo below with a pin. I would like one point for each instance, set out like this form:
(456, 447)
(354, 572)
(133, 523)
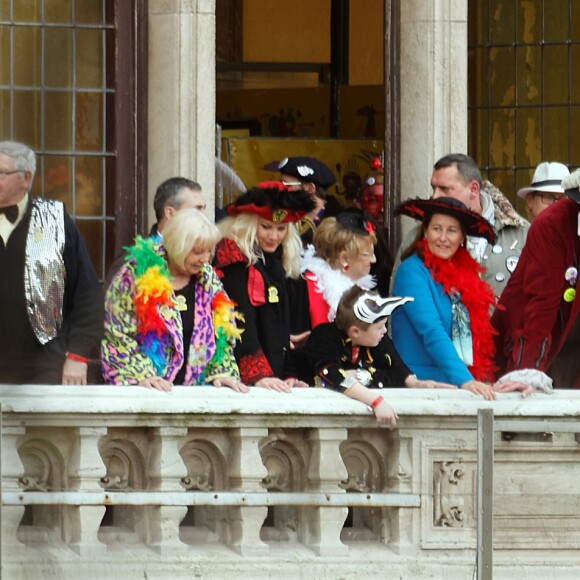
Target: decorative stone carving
(205, 467)
(125, 466)
(365, 475)
(44, 470)
(363, 465)
(126, 470)
(286, 473)
(43, 466)
(448, 503)
(206, 471)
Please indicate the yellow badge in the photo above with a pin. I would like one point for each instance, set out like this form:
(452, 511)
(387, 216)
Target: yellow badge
(273, 294)
(180, 303)
(279, 215)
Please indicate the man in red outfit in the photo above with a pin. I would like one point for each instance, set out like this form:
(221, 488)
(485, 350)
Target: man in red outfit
(538, 314)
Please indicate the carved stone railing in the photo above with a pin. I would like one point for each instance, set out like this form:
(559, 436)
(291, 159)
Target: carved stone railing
(96, 483)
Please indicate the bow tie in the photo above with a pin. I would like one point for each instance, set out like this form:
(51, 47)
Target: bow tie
(11, 212)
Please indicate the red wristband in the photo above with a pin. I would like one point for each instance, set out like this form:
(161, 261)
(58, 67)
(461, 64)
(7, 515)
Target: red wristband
(377, 402)
(77, 357)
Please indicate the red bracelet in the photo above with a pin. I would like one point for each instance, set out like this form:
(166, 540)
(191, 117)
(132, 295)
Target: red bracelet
(377, 402)
(77, 357)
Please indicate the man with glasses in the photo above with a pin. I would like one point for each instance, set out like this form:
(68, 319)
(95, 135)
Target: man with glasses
(546, 188)
(50, 299)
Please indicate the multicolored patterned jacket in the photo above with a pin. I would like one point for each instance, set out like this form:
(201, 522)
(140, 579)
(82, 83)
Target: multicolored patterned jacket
(124, 360)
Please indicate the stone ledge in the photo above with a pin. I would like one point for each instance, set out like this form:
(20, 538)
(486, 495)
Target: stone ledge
(113, 400)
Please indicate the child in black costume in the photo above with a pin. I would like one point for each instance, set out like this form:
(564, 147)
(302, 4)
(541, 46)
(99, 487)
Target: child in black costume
(354, 354)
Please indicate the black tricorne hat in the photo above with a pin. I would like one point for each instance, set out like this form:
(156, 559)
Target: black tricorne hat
(307, 169)
(275, 202)
(474, 224)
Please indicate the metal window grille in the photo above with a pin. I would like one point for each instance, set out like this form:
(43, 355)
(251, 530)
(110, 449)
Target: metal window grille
(524, 94)
(57, 94)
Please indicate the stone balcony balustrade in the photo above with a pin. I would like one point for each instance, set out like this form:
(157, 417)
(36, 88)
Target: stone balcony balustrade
(96, 483)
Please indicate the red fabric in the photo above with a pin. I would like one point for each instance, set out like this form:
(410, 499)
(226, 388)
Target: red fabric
(461, 274)
(318, 306)
(254, 367)
(256, 287)
(228, 252)
(534, 320)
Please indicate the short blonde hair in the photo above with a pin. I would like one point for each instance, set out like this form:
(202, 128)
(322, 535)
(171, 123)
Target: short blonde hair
(331, 238)
(243, 229)
(187, 229)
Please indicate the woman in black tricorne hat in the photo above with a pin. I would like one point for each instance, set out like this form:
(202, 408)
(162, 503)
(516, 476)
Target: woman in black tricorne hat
(259, 252)
(445, 334)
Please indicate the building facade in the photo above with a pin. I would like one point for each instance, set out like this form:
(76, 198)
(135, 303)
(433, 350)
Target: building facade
(116, 95)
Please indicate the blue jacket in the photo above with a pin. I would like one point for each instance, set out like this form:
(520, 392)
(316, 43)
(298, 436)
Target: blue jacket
(422, 329)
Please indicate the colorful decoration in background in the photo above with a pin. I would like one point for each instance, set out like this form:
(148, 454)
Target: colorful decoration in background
(372, 194)
(348, 158)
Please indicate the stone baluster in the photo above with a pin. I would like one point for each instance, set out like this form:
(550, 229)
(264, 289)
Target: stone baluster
(87, 467)
(167, 470)
(403, 523)
(246, 473)
(325, 472)
(12, 471)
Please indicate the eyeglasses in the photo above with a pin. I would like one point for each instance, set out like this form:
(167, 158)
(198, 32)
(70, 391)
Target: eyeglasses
(548, 198)
(5, 174)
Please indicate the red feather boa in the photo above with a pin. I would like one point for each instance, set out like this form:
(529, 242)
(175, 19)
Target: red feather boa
(461, 274)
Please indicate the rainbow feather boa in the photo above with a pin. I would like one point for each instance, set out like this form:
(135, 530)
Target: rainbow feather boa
(224, 322)
(154, 290)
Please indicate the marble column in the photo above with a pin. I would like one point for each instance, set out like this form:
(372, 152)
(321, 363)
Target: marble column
(181, 95)
(433, 88)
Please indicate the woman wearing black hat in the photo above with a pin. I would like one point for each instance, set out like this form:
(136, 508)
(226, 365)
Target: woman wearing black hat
(445, 334)
(259, 252)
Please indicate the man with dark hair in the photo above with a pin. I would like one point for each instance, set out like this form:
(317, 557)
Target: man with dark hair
(173, 194)
(457, 176)
(50, 300)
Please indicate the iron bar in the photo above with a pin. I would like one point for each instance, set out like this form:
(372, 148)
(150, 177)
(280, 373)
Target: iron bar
(190, 498)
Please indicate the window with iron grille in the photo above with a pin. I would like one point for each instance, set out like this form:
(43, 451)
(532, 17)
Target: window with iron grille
(59, 94)
(524, 88)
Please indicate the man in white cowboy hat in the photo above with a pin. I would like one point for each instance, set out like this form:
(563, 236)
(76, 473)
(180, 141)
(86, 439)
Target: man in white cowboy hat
(457, 175)
(539, 322)
(545, 189)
